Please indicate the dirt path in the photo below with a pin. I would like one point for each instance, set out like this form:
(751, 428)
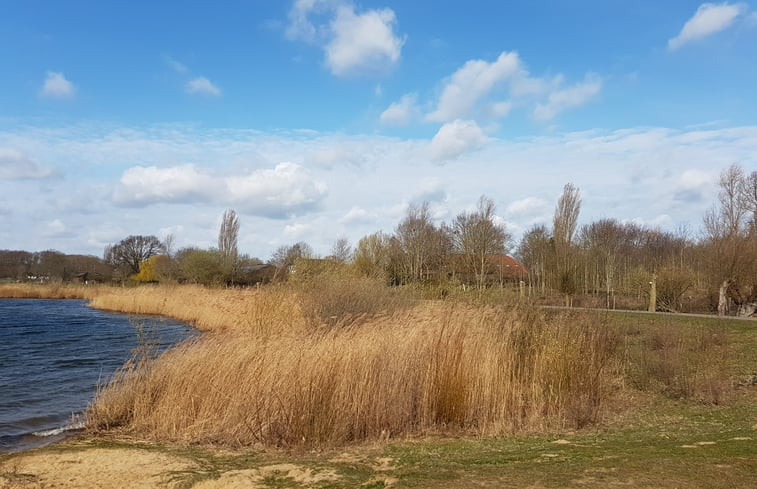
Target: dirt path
(658, 313)
(110, 464)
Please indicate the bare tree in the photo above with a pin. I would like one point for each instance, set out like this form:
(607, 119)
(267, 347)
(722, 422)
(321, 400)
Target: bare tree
(535, 251)
(228, 234)
(341, 251)
(564, 228)
(420, 243)
(566, 215)
(168, 244)
(732, 245)
(285, 256)
(132, 251)
(750, 196)
(602, 241)
(476, 236)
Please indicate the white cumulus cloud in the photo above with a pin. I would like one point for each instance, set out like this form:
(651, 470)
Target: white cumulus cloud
(402, 112)
(284, 190)
(709, 19)
(486, 90)
(354, 43)
(455, 138)
(473, 81)
(56, 86)
(148, 185)
(204, 86)
(568, 97)
(287, 189)
(363, 42)
(300, 26)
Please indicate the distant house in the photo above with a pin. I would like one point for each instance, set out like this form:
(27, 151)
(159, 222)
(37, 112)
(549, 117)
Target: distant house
(499, 269)
(255, 274)
(80, 278)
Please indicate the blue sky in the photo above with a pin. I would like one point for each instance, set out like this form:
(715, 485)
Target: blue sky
(320, 119)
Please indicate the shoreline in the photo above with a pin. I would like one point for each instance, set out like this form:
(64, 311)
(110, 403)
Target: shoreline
(71, 425)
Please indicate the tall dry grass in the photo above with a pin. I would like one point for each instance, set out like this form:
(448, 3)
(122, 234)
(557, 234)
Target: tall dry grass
(50, 291)
(258, 312)
(334, 299)
(339, 358)
(434, 367)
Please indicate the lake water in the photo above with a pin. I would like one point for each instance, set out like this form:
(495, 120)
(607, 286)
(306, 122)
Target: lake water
(53, 354)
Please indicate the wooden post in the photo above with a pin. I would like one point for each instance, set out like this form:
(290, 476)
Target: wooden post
(653, 294)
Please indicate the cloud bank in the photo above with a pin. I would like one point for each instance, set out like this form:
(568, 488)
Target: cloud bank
(319, 186)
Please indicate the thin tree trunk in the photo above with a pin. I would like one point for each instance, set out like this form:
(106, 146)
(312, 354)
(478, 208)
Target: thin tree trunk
(723, 298)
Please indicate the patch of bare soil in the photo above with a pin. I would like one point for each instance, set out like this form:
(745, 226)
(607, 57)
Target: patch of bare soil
(257, 478)
(104, 468)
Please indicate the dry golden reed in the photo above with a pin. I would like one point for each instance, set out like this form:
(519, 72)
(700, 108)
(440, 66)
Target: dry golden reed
(434, 368)
(50, 291)
(252, 311)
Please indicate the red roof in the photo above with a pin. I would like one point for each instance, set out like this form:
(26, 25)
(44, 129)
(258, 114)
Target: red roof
(502, 266)
(509, 265)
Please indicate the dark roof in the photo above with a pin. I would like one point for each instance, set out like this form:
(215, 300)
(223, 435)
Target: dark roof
(255, 268)
(505, 265)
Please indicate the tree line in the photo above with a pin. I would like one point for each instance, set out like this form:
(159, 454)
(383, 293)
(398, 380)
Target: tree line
(605, 263)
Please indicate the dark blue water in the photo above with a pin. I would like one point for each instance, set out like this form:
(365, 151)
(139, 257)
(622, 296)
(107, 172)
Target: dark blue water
(53, 354)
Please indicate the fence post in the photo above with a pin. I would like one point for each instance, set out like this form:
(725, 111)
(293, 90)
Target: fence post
(653, 293)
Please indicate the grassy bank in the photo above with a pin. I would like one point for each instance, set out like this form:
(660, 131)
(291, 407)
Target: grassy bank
(667, 444)
(383, 389)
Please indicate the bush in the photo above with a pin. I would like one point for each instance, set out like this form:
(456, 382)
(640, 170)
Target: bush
(332, 294)
(204, 267)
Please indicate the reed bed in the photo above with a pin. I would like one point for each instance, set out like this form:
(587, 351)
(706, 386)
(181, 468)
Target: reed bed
(433, 368)
(258, 312)
(340, 358)
(51, 291)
